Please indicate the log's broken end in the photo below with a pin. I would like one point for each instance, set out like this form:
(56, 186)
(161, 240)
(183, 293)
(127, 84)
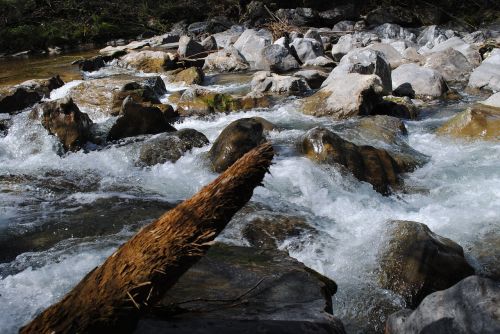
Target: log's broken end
(112, 297)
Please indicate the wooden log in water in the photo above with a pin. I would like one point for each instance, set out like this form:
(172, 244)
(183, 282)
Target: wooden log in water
(112, 297)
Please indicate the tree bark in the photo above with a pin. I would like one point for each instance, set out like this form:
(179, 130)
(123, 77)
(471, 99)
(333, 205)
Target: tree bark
(112, 297)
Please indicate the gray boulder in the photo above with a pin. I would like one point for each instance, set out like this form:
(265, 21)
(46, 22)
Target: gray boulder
(267, 82)
(363, 61)
(350, 42)
(389, 32)
(228, 37)
(487, 75)
(276, 58)
(344, 26)
(314, 78)
(307, 48)
(451, 64)
(391, 55)
(251, 43)
(170, 146)
(469, 307)
(352, 95)
(320, 61)
(226, 60)
(188, 47)
(424, 81)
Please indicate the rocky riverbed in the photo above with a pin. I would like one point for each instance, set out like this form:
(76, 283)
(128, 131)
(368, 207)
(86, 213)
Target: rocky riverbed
(385, 183)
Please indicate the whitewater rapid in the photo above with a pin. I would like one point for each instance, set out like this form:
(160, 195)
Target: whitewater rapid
(457, 194)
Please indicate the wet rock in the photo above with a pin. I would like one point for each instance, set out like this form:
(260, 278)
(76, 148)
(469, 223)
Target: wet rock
(426, 82)
(451, 64)
(486, 254)
(397, 106)
(487, 75)
(307, 48)
(135, 45)
(493, 100)
(478, 122)
(235, 140)
(270, 231)
(137, 119)
(92, 64)
(170, 146)
(190, 76)
(366, 163)
(415, 262)
(388, 133)
(363, 61)
(199, 102)
(63, 119)
(188, 47)
(352, 95)
(277, 58)
(147, 61)
(392, 14)
(267, 82)
(149, 90)
(314, 78)
(405, 89)
(470, 306)
(251, 43)
(290, 297)
(27, 94)
(226, 60)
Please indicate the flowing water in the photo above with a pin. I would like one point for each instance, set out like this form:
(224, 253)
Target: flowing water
(60, 216)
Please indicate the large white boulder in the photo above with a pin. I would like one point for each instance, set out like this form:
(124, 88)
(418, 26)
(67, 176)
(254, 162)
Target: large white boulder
(424, 81)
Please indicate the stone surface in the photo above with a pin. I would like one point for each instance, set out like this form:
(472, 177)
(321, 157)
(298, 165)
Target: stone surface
(471, 53)
(235, 140)
(149, 90)
(190, 76)
(146, 61)
(277, 58)
(290, 297)
(487, 75)
(478, 122)
(267, 82)
(363, 61)
(366, 163)
(353, 95)
(451, 64)
(188, 47)
(136, 119)
(314, 78)
(307, 48)
(469, 307)
(63, 119)
(350, 42)
(226, 60)
(27, 94)
(170, 146)
(391, 31)
(415, 262)
(228, 37)
(320, 61)
(405, 89)
(251, 43)
(493, 100)
(424, 81)
(391, 55)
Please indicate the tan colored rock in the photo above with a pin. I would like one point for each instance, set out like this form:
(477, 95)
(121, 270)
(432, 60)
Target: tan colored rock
(478, 122)
(190, 76)
(146, 61)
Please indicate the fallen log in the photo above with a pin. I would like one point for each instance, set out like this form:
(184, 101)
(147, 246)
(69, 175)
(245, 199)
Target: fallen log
(112, 297)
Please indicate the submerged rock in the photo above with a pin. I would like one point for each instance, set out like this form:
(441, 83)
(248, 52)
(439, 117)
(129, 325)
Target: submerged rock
(27, 94)
(366, 163)
(471, 306)
(267, 82)
(137, 119)
(478, 122)
(281, 295)
(170, 146)
(416, 262)
(351, 95)
(235, 140)
(425, 82)
(63, 119)
(200, 102)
